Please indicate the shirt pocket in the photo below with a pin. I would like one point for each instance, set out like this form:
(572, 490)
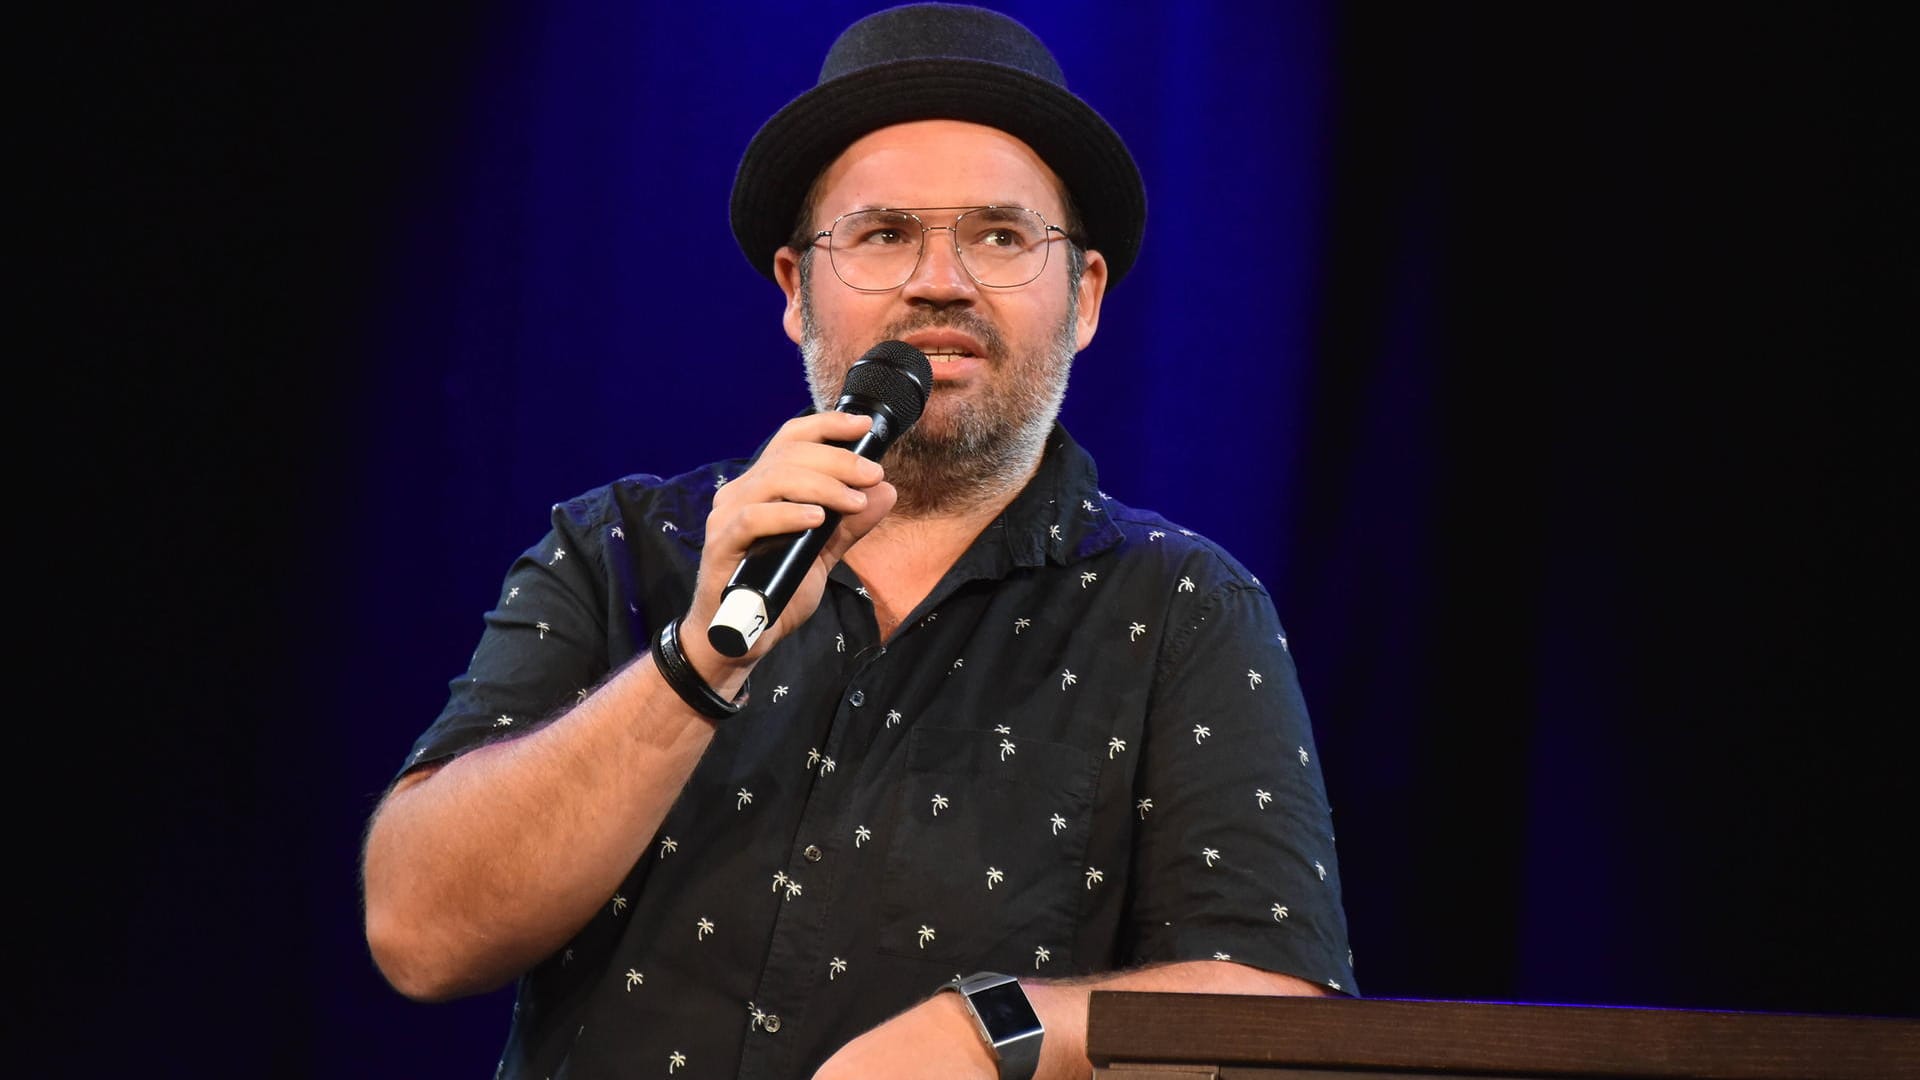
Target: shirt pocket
(986, 866)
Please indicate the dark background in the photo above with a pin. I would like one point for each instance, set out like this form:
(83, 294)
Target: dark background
(1541, 359)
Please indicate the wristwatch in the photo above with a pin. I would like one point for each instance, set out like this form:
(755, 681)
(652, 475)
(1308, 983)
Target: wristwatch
(1006, 1020)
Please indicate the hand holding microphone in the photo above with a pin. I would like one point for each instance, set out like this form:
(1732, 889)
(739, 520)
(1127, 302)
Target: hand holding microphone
(890, 384)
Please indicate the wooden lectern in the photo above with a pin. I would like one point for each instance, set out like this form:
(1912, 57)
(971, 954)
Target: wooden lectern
(1160, 1036)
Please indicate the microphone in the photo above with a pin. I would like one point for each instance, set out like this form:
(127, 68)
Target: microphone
(891, 384)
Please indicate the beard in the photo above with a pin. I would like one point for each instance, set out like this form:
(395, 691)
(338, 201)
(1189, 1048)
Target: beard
(963, 451)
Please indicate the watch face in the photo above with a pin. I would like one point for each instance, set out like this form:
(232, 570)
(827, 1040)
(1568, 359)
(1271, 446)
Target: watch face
(1004, 1011)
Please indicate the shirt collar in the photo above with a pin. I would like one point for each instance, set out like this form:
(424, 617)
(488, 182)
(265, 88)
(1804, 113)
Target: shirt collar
(1060, 516)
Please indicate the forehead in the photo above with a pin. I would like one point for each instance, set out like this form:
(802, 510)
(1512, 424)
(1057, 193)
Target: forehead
(938, 163)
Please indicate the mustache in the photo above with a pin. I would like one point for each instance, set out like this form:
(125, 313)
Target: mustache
(967, 322)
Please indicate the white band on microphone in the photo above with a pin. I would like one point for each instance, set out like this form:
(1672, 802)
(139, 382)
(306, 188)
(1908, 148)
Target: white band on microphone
(744, 613)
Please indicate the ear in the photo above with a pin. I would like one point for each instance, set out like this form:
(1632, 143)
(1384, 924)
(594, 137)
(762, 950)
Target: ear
(786, 272)
(1093, 288)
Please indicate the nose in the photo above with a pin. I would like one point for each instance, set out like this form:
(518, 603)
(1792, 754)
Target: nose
(940, 278)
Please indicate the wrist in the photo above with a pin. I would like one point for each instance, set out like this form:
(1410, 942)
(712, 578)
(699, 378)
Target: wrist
(686, 681)
(1005, 1021)
(725, 674)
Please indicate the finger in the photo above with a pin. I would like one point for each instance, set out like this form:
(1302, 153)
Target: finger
(732, 536)
(880, 501)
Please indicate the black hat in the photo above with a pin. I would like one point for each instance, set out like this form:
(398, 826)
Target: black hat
(950, 62)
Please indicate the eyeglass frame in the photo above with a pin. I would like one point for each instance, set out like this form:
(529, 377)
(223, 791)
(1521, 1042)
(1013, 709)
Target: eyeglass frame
(914, 212)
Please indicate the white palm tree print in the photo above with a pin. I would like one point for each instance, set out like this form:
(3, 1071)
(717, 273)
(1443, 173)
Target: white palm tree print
(1134, 630)
(759, 1017)
(1280, 912)
(826, 765)
(958, 663)
(558, 554)
(543, 628)
(1058, 823)
(861, 834)
(618, 533)
(1094, 877)
(780, 880)
(1021, 624)
(925, 935)
(839, 643)
(1114, 746)
(503, 720)
(1253, 678)
(1321, 870)
(513, 592)
(813, 757)
(619, 904)
(668, 526)
(1053, 532)
(1143, 806)
(893, 717)
(1186, 584)
(793, 889)
(994, 876)
(1002, 729)
(1087, 505)
(1221, 956)
(1067, 678)
(1212, 855)
(1088, 577)
(779, 692)
(939, 803)
(836, 969)
(742, 799)
(1006, 749)
(702, 928)
(634, 978)
(1262, 796)
(1302, 751)
(668, 845)
(677, 1059)
(1040, 956)
(1155, 535)
(1200, 731)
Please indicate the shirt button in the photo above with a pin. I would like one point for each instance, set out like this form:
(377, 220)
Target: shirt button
(812, 853)
(858, 699)
(773, 1024)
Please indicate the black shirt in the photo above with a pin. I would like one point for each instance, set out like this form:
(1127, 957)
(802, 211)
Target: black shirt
(1086, 750)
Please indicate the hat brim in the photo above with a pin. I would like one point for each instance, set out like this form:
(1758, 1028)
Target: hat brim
(802, 139)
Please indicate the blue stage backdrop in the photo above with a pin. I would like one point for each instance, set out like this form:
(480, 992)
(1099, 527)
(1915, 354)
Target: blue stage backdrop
(1529, 355)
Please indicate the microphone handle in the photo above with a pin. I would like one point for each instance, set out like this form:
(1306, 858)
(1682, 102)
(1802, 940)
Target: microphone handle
(774, 566)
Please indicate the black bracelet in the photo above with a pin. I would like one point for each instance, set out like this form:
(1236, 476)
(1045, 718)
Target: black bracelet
(687, 682)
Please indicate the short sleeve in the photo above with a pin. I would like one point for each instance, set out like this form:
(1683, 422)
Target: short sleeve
(544, 645)
(1233, 848)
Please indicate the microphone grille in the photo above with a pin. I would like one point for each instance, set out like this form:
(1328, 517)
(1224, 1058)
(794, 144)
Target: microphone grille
(897, 375)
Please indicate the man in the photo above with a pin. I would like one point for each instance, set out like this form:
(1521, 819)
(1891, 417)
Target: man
(1006, 726)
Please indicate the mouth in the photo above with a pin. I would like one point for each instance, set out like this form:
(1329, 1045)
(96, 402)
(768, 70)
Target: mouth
(946, 356)
(946, 348)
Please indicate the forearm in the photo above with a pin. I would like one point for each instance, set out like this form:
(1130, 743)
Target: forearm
(1062, 1006)
(478, 870)
(937, 1040)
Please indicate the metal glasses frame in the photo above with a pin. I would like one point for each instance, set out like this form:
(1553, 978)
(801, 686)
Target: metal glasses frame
(952, 230)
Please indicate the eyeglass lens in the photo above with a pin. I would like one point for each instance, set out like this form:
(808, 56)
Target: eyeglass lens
(1001, 246)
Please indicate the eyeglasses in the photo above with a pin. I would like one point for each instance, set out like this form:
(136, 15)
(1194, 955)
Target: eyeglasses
(1001, 247)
